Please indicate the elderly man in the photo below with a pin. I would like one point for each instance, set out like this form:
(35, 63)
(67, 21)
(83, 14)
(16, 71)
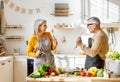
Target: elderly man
(98, 45)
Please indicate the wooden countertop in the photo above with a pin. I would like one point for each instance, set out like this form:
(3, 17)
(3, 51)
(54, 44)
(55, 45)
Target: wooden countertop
(74, 79)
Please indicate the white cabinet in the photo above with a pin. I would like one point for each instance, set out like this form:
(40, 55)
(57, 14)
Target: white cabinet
(6, 70)
(20, 68)
(69, 61)
(10, 69)
(80, 62)
(3, 72)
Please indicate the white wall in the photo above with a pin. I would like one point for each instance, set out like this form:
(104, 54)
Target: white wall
(46, 8)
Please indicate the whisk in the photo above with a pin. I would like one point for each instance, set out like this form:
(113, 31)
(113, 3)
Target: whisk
(79, 35)
(53, 33)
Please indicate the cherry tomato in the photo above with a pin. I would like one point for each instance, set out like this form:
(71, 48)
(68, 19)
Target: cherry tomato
(83, 74)
(88, 74)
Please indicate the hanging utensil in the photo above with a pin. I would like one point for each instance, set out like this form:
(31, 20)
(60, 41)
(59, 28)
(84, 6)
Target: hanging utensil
(53, 33)
(111, 36)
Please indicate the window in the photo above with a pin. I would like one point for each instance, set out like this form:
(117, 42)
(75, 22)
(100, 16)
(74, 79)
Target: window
(106, 10)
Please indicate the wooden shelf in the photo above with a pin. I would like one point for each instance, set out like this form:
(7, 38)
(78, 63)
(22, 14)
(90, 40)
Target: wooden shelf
(61, 9)
(116, 29)
(2, 53)
(61, 14)
(14, 27)
(14, 37)
(66, 27)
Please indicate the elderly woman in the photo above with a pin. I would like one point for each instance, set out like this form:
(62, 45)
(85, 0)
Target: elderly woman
(40, 45)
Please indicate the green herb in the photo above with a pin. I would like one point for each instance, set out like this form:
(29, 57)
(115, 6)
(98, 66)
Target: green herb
(114, 55)
(41, 71)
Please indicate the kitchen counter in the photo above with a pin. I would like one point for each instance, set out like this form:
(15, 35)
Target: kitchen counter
(69, 55)
(64, 55)
(4, 58)
(74, 79)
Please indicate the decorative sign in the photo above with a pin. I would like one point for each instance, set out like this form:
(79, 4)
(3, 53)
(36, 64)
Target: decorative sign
(22, 10)
(17, 8)
(6, 1)
(11, 5)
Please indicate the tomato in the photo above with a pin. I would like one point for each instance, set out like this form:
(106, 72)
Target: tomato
(83, 74)
(88, 74)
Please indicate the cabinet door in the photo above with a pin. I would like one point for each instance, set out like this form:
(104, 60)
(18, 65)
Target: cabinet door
(4, 76)
(10, 71)
(71, 62)
(20, 69)
(79, 62)
(62, 62)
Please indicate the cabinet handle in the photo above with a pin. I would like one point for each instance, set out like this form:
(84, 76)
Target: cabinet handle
(9, 61)
(3, 64)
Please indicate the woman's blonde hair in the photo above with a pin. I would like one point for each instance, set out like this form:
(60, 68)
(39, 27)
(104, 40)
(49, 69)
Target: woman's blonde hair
(38, 23)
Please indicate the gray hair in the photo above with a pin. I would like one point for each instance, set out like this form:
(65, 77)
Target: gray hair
(37, 23)
(95, 20)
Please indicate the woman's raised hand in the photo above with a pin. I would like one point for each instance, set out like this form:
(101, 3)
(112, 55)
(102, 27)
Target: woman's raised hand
(55, 42)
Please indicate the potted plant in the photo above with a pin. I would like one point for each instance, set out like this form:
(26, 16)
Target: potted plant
(113, 58)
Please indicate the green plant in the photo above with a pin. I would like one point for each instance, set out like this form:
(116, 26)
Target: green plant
(114, 55)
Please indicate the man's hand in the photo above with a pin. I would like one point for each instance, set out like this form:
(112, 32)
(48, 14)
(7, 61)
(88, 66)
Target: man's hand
(78, 41)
